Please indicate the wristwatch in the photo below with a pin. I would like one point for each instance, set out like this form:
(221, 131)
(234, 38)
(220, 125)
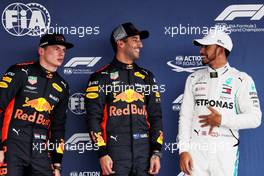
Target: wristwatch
(157, 153)
(58, 167)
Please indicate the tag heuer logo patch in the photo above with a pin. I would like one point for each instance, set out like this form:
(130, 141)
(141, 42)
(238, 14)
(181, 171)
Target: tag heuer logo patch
(114, 75)
(32, 80)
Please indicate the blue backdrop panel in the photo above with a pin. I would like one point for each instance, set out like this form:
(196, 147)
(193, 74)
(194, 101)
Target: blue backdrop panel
(168, 52)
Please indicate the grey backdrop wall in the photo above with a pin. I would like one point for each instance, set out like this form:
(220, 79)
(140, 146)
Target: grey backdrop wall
(168, 52)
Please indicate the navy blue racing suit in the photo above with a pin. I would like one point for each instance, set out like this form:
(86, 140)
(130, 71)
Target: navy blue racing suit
(124, 116)
(32, 112)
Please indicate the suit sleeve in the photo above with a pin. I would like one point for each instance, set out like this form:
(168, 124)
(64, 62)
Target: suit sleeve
(248, 113)
(186, 115)
(10, 84)
(154, 115)
(58, 127)
(95, 101)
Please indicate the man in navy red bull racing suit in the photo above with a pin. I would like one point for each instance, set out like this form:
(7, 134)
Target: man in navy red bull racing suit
(33, 103)
(124, 117)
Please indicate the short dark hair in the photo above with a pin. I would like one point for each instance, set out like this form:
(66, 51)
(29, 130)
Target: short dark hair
(126, 30)
(114, 43)
(227, 52)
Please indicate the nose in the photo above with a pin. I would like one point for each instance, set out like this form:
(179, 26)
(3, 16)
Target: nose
(62, 52)
(140, 44)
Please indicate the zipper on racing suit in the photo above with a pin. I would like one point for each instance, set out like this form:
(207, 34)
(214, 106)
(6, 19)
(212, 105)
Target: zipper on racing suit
(129, 74)
(33, 127)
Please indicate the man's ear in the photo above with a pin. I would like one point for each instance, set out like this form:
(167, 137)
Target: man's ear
(220, 51)
(40, 51)
(120, 43)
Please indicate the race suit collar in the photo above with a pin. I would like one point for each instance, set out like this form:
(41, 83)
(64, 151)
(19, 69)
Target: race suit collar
(124, 66)
(219, 71)
(44, 72)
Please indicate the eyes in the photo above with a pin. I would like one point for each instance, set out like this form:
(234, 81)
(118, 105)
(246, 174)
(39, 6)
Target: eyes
(136, 40)
(60, 48)
(205, 46)
(209, 46)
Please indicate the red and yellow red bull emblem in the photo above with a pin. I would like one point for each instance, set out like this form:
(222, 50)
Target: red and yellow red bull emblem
(39, 104)
(129, 96)
(99, 139)
(160, 138)
(60, 149)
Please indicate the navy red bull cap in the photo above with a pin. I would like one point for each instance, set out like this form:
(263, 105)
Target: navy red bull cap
(54, 39)
(127, 30)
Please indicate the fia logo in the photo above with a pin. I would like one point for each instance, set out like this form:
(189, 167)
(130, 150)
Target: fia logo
(76, 104)
(31, 19)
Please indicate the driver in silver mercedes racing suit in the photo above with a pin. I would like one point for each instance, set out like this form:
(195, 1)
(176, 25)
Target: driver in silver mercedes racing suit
(218, 101)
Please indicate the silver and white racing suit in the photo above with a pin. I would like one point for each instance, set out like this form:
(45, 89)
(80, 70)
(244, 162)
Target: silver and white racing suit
(233, 94)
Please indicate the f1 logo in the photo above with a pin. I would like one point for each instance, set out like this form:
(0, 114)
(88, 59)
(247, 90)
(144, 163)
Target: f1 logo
(255, 11)
(87, 61)
(77, 137)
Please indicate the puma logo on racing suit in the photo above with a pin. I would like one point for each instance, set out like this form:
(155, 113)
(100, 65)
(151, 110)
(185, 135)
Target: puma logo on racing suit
(16, 131)
(115, 138)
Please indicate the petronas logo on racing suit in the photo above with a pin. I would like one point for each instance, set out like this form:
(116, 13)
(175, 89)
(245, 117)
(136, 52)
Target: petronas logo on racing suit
(214, 103)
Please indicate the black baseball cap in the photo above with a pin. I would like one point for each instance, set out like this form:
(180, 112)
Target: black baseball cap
(54, 39)
(127, 30)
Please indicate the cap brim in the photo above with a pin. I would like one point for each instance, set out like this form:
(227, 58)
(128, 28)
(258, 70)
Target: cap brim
(66, 44)
(199, 42)
(143, 34)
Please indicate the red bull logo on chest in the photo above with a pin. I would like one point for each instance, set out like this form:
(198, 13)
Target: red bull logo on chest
(39, 104)
(129, 96)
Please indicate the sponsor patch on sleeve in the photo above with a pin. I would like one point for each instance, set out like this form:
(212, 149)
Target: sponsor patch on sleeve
(57, 87)
(160, 138)
(60, 149)
(10, 73)
(92, 95)
(138, 74)
(99, 139)
(7, 79)
(92, 89)
(157, 95)
(3, 84)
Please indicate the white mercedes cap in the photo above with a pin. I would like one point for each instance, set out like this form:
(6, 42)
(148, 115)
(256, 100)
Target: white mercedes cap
(216, 36)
